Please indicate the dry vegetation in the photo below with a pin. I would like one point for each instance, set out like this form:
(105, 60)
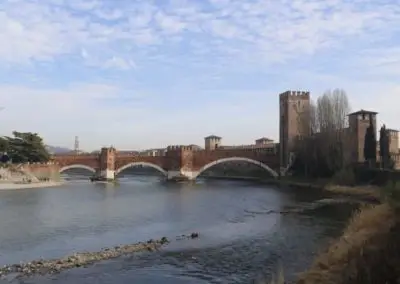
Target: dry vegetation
(367, 191)
(368, 252)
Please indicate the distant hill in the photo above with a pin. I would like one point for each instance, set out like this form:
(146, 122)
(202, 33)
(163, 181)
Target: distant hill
(57, 150)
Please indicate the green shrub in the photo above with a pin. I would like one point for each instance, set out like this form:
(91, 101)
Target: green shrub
(344, 176)
(391, 194)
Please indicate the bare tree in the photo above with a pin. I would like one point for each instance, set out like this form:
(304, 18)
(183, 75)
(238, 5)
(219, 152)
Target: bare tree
(324, 126)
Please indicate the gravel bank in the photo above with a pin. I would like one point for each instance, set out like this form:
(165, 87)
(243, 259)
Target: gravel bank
(83, 259)
(12, 186)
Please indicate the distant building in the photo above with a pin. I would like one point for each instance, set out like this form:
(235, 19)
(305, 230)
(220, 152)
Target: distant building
(212, 142)
(264, 141)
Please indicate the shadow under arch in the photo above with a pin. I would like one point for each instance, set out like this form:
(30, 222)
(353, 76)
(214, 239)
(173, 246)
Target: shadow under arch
(77, 166)
(237, 159)
(143, 164)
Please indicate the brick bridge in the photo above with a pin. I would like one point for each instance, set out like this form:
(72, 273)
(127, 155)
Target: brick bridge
(183, 161)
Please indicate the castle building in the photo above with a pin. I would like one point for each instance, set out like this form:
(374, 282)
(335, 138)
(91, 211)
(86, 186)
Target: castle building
(212, 142)
(295, 105)
(295, 122)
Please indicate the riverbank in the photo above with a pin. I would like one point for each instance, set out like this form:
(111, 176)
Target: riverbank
(53, 266)
(368, 252)
(13, 186)
(366, 193)
(83, 259)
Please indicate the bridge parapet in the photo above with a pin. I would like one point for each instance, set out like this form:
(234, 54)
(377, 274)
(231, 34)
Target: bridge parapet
(179, 160)
(73, 154)
(266, 150)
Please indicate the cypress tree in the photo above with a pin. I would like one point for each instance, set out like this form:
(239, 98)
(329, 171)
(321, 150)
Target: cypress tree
(370, 142)
(384, 146)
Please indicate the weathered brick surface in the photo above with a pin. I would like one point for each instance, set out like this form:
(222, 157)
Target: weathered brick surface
(92, 161)
(202, 158)
(121, 161)
(177, 158)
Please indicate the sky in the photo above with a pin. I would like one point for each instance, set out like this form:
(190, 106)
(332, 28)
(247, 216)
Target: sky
(140, 74)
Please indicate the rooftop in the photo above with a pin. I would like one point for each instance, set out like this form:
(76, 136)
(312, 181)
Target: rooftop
(212, 137)
(363, 111)
(264, 139)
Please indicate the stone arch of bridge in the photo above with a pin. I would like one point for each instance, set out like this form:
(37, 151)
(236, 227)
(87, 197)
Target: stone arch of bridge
(77, 166)
(144, 164)
(238, 159)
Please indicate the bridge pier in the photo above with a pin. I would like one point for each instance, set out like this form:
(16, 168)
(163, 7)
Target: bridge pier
(181, 175)
(107, 175)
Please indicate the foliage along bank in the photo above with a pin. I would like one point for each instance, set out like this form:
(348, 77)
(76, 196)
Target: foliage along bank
(23, 147)
(321, 152)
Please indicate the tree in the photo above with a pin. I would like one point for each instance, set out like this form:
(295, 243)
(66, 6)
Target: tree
(384, 147)
(25, 147)
(370, 143)
(3, 144)
(321, 151)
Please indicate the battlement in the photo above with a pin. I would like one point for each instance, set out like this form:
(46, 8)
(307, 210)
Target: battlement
(108, 150)
(180, 148)
(392, 132)
(297, 95)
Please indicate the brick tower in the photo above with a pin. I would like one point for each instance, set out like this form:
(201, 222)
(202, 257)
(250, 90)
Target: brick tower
(359, 121)
(107, 163)
(293, 121)
(212, 142)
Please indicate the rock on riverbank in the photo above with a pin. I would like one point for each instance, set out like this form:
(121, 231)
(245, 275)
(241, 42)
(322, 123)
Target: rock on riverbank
(83, 259)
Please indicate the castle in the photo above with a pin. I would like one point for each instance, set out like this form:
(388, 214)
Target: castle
(292, 107)
(293, 104)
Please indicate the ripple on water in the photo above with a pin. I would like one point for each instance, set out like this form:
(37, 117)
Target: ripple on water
(238, 242)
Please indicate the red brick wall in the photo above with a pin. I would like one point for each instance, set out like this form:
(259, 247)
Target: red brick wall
(176, 158)
(202, 158)
(87, 160)
(123, 160)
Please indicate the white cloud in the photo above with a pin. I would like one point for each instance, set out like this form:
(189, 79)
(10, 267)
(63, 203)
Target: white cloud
(284, 28)
(169, 24)
(210, 44)
(119, 63)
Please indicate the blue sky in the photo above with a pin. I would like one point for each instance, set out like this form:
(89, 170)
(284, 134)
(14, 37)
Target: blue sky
(143, 74)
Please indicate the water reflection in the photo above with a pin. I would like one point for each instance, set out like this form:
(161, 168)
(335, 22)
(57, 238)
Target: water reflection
(239, 239)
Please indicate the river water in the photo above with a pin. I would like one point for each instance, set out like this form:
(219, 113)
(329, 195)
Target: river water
(240, 241)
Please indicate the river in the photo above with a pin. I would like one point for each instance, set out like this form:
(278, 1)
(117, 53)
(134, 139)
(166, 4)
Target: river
(239, 240)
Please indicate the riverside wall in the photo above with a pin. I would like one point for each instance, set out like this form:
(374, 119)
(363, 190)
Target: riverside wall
(43, 171)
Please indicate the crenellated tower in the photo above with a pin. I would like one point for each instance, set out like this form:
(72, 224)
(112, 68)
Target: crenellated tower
(359, 122)
(212, 142)
(107, 163)
(294, 121)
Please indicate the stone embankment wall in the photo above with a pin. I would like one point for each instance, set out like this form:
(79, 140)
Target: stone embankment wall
(9, 174)
(34, 172)
(47, 171)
